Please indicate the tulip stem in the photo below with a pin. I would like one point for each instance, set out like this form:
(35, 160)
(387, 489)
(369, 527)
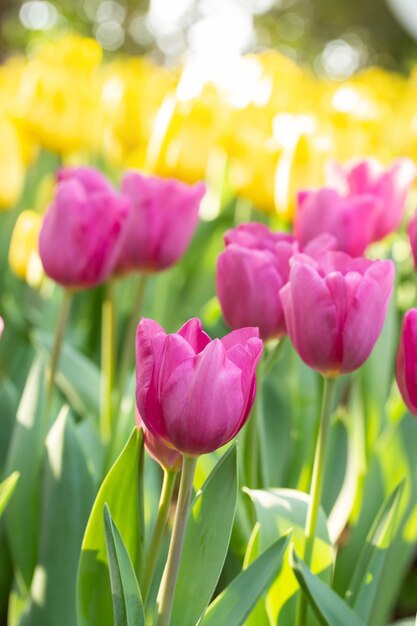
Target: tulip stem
(58, 339)
(108, 344)
(128, 347)
(158, 533)
(316, 486)
(169, 579)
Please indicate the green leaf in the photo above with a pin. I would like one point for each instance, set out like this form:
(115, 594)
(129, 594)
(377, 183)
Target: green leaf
(330, 609)
(127, 601)
(67, 496)
(363, 587)
(258, 616)
(77, 376)
(278, 511)
(206, 541)
(120, 491)
(6, 489)
(25, 456)
(235, 603)
(9, 401)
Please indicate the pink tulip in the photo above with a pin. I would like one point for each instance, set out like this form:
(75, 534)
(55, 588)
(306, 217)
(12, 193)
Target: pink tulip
(167, 457)
(335, 309)
(193, 392)
(350, 219)
(388, 186)
(250, 273)
(80, 236)
(362, 203)
(412, 234)
(1, 326)
(160, 225)
(406, 366)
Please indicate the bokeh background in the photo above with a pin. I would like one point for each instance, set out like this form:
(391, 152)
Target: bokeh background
(335, 38)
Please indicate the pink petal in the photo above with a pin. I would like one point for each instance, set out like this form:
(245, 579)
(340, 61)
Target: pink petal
(366, 314)
(193, 332)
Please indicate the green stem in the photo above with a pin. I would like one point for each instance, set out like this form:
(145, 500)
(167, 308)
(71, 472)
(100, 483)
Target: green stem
(158, 533)
(128, 348)
(316, 486)
(251, 456)
(56, 350)
(108, 344)
(260, 423)
(169, 579)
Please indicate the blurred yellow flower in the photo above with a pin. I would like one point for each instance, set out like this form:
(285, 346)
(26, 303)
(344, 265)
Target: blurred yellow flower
(185, 134)
(58, 95)
(23, 252)
(132, 92)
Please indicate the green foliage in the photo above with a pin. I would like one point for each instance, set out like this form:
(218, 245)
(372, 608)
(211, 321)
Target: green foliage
(120, 491)
(127, 601)
(206, 541)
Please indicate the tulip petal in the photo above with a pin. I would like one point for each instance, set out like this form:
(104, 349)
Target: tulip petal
(406, 364)
(193, 332)
(366, 314)
(311, 318)
(248, 283)
(201, 416)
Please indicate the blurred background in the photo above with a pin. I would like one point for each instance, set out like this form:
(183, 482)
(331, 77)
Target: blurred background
(334, 38)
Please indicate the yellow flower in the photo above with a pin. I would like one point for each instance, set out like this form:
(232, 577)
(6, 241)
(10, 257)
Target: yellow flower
(12, 166)
(185, 135)
(132, 92)
(23, 252)
(58, 95)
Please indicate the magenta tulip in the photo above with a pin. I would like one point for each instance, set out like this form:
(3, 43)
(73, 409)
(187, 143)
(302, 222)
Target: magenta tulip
(160, 225)
(362, 204)
(81, 232)
(388, 186)
(412, 234)
(167, 457)
(350, 219)
(335, 309)
(406, 366)
(192, 392)
(250, 273)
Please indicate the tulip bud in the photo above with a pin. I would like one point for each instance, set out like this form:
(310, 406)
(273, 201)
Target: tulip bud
(194, 393)
(162, 220)
(406, 365)
(335, 309)
(168, 458)
(80, 236)
(252, 270)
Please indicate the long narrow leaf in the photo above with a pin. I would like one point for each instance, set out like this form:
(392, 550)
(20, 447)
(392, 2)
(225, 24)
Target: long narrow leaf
(235, 603)
(329, 608)
(127, 601)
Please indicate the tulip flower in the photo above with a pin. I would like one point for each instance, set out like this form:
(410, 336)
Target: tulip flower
(412, 234)
(192, 392)
(363, 204)
(162, 220)
(335, 309)
(388, 187)
(80, 236)
(406, 365)
(350, 219)
(252, 270)
(168, 458)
